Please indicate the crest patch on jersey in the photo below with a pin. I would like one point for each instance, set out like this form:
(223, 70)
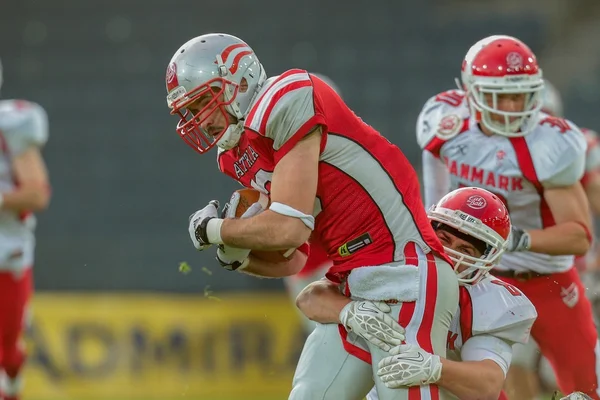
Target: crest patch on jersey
(449, 125)
(476, 202)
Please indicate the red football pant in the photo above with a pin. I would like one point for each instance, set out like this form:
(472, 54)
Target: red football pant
(15, 292)
(564, 329)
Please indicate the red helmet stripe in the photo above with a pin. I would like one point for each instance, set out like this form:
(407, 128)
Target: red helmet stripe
(236, 61)
(229, 49)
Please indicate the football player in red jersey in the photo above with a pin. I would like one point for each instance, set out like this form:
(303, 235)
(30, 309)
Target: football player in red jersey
(329, 175)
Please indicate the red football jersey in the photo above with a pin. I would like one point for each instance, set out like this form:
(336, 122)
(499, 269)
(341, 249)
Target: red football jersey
(368, 203)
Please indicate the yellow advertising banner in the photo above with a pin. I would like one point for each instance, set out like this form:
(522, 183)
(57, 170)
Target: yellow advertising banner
(157, 346)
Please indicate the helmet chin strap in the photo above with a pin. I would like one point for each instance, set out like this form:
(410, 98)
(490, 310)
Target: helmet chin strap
(232, 134)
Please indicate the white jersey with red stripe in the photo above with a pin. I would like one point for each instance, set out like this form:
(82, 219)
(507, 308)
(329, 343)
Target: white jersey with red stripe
(23, 125)
(368, 204)
(518, 170)
(490, 308)
(491, 317)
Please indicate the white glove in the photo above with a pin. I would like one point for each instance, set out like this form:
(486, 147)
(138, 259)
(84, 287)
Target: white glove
(197, 224)
(519, 240)
(371, 320)
(409, 365)
(232, 258)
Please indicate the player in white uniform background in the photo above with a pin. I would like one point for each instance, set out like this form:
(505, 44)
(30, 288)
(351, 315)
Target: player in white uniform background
(473, 225)
(493, 135)
(531, 372)
(24, 189)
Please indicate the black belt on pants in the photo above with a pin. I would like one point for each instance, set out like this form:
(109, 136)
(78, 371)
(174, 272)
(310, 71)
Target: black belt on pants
(518, 275)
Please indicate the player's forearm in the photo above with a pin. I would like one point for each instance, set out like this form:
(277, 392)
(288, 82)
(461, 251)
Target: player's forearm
(472, 380)
(266, 231)
(266, 269)
(322, 302)
(562, 239)
(30, 198)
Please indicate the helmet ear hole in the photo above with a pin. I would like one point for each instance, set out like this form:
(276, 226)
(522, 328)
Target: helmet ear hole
(243, 86)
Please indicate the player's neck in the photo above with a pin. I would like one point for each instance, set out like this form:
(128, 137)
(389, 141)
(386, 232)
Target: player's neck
(484, 130)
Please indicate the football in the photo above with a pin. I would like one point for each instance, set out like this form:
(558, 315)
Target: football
(247, 198)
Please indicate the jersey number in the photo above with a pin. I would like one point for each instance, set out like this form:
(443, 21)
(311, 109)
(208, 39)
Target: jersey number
(511, 289)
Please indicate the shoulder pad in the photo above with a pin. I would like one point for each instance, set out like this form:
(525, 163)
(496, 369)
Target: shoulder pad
(501, 310)
(286, 109)
(557, 149)
(441, 118)
(24, 124)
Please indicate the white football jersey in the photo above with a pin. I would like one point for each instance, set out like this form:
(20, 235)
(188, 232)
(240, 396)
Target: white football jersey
(491, 317)
(490, 307)
(22, 125)
(516, 169)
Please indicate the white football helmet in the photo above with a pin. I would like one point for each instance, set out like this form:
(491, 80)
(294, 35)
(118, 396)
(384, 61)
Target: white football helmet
(497, 65)
(551, 100)
(476, 213)
(222, 67)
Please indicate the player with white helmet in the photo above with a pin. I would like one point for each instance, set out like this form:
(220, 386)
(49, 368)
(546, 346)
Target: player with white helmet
(330, 176)
(473, 225)
(24, 189)
(492, 134)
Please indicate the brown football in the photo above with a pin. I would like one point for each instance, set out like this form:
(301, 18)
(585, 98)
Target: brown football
(247, 198)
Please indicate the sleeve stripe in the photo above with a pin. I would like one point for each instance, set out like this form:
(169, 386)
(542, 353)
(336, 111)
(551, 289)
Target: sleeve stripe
(256, 116)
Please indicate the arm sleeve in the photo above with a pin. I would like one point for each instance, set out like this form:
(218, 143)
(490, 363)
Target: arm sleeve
(486, 347)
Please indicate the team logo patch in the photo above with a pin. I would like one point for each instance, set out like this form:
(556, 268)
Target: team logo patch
(514, 60)
(570, 295)
(172, 76)
(449, 125)
(476, 202)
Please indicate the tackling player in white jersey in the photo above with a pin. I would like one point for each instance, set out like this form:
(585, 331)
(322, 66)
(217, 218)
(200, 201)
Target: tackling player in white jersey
(473, 225)
(529, 369)
(493, 135)
(24, 189)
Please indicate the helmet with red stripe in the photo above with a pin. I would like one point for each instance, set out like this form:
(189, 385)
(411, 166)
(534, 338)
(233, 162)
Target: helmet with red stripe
(223, 69)
(497, 66)
(476, 215)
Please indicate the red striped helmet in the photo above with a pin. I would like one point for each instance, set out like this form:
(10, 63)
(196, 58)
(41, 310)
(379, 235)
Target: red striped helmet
(221, 68)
